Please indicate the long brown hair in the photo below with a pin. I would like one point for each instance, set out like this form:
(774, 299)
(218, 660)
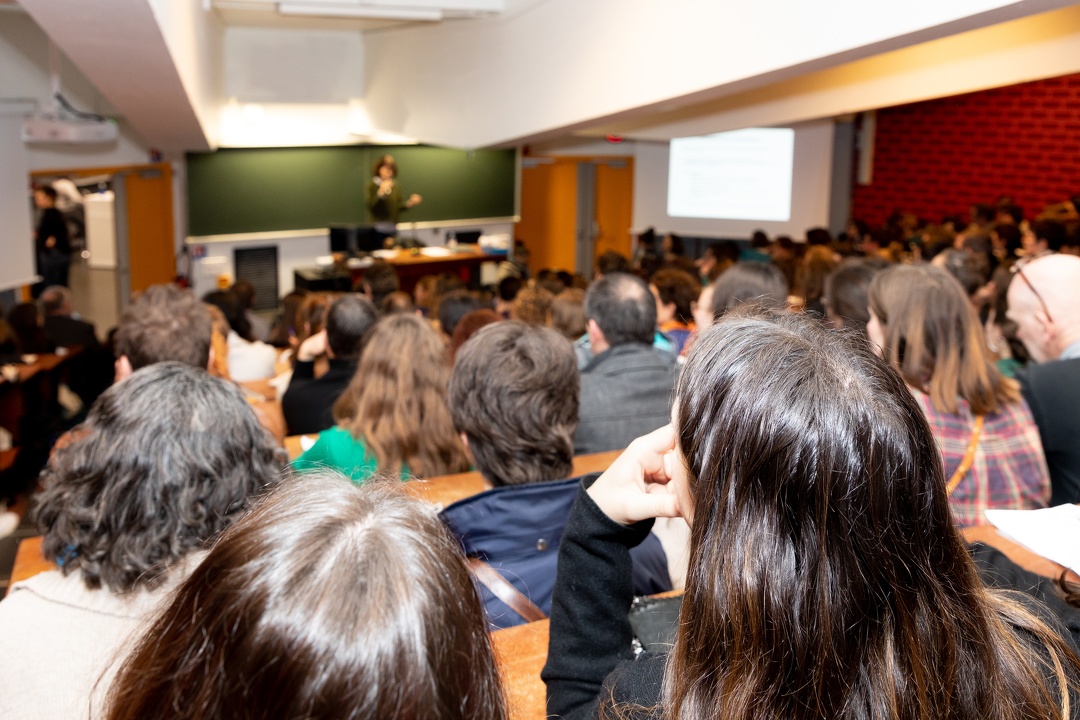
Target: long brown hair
(327, 601)
(827, 579)
(396, 401)
(934, 339)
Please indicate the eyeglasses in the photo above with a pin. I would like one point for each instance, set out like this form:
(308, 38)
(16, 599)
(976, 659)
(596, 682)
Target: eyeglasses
(1018, 270)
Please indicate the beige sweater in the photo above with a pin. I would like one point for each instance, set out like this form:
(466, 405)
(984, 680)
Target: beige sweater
(61, 643)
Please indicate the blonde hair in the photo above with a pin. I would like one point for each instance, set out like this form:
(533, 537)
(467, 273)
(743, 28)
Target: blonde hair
(396, 401)
(935, 341)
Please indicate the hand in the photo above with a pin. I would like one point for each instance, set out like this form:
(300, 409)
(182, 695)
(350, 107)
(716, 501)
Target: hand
(312, 348)
(414, 199)
(385, 187)
(50, 242)
(636, 487)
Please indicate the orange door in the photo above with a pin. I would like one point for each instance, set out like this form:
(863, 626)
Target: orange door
(614, 205)
(151, 249)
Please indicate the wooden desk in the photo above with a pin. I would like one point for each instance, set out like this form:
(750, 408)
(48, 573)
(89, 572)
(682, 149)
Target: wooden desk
(292, 445)
(521, 652)
(29, 561)
(448, 489)
(410, 266)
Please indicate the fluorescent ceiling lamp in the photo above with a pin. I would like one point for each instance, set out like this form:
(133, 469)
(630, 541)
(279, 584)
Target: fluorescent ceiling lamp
(367, 12)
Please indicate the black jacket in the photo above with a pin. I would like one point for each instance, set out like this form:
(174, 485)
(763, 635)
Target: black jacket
(1052, 390)
(308, 404)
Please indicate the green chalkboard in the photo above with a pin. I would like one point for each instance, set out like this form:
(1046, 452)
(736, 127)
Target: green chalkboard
(261, 189)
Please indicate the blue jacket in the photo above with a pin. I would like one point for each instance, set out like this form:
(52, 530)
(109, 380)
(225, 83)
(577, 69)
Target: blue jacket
(517, 530)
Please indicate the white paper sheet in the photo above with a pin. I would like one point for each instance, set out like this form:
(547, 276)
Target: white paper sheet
(1053, 532)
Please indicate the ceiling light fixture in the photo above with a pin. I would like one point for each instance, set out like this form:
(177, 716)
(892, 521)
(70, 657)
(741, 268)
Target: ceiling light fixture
(366, 12)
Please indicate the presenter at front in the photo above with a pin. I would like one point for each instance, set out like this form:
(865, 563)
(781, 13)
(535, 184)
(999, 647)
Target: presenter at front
(385, 199)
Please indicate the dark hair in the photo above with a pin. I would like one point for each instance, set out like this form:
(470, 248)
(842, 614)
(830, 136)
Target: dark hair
(818, 236)
(30, 337)
(230, 306)
(165, 323)
(347, 320)
(326, 601)
(1051, 232)
(397, 302)
(759, 239)
(382, 279)
(1012, 237)
(846, 288)
(166, 459)
(469, 325)
(288, 324)
(514, 393)
(763, 283)
(624, 308)
(1013, 211)
(678, 287)
(509, 287)
(966, 268)
(54, 298)
(612, 262)
(388, 161)
(827, 578)
(453, 306)
(568, 313)
(981, 212)
(49, 191)
(244, 292)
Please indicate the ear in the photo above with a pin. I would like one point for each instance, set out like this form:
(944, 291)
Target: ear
(210, 358)
(594, 332)
(465, 442)
(121, 368)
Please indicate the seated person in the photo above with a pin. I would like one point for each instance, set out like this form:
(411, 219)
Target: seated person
(626, 386)
(164, 323)
(393, 417)
(249, 359)
(927, 329)
(166, 459)
(62, 326)
(514, 397)
(309, 401)
(827, 578)
(326, 601)
(675, 291)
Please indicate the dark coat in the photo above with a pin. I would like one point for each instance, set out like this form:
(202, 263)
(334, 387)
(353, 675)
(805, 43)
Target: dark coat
(308, 403)
(1052, 390)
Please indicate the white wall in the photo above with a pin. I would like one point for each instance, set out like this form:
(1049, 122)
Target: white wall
(531, 71)
(24, 73)
(16, 230)
(809, 195)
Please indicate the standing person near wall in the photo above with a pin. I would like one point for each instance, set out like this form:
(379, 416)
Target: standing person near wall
(52, 244)
(384, 197)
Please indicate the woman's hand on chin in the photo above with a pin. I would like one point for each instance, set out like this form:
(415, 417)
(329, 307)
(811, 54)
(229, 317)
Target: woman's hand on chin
(638, 485)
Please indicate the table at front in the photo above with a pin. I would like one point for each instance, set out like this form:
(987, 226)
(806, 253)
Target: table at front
(410, 266)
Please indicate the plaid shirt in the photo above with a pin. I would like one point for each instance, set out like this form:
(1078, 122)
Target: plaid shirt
(1009, 470)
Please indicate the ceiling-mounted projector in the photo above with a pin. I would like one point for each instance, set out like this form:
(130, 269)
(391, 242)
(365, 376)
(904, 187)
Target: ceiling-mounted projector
(69, 131)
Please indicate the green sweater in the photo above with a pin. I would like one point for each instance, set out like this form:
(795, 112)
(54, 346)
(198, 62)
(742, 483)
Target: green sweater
(388, 208)
(338, 450)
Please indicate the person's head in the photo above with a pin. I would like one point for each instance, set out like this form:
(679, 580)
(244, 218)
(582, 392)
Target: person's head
(45, 196)
(1043, 236)
(230, 305)
(286, 329)
(672, 244)
(385, 168)
(56, 300)
(532, 305)
(969, 269)
(380, 279)
(1044, 302)
(762, 283)
(348, 319)
(928, 330)
(396, 401)
(1007, 240)
(818, 236)
(568, 313)
(983, 214)
(326, 601)
(514, 396)
(311, 317)
(469, 326)
(822, 547)
(25, 322)
(814, 267)
(609, 262)
(619, 309)
(166, 459)
(164, 323)
(675, 291)
(508, 289)
(845, 292)
(453, 306)
(244, 292)
(1010, 214)
(397, 302)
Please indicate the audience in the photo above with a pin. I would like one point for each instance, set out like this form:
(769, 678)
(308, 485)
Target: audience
(568, 313)
(826, 580)
(921, 319)
(249, 359)
(1044, 302)
(380, 280)
(397, 302)
(326, 601)
(393, 417)
(287, 327)
(675, 292)
(748, 281)
(845, 292)
(62, 326)
(308, 402)
(453, 306)
(163, 323)
(166, 459)
(626, 386)
(514, 398)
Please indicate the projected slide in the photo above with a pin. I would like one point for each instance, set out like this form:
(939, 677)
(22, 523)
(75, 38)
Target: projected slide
(739, 175)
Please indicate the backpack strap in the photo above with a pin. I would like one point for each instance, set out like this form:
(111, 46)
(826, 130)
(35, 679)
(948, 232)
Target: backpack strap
(501, 588)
